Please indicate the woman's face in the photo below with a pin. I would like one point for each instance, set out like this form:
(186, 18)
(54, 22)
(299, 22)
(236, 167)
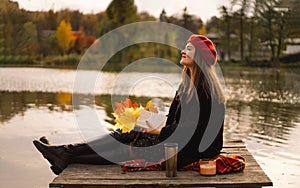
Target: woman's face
(187, 55)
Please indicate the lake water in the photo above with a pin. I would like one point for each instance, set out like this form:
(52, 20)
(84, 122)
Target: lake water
(262, 110)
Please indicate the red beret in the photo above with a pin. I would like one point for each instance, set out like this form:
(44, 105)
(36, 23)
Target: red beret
(206, 48)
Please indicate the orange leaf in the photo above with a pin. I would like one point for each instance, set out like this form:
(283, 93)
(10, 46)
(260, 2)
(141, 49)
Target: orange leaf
(129, 103)
(135, 105)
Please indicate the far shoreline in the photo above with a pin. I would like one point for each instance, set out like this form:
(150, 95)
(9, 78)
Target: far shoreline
(118, 68)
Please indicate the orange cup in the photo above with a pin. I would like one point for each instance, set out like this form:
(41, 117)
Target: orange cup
(208, 167)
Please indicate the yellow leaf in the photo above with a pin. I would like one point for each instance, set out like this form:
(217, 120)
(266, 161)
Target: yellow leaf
(150, 107)
(127, 120)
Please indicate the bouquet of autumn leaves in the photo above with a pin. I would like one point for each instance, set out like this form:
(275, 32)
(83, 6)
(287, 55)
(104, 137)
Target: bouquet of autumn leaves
(127, 113)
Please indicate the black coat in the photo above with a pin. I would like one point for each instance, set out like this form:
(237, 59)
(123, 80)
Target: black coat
(189, 153)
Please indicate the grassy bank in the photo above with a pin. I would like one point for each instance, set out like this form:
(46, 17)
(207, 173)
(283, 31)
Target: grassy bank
(65, 61)
(72, 61)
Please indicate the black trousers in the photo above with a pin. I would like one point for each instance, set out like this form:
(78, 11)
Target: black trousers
(90, 153)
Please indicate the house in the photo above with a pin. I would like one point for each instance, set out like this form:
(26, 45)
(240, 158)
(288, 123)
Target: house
(292, 46)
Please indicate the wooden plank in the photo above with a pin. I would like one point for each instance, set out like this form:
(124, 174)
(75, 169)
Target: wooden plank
(79, 175)
(234, 144)
(254, 178)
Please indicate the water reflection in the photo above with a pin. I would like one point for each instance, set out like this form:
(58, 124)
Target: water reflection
(268, 121)
(16, 103)
(274, 85)
(262, 103)
(263, 109)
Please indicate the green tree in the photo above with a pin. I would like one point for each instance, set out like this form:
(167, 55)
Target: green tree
(65, 38)
(163, 16)
(145, 16)
(226, 16)
(214, 24)
(90, 24)
(244, 7)
(105, 24)
(190, 22)
(29, 39)
(75, 19)
(40, 20)
(293, 19)
(1, 41)
(269, 23)
(13, 19)
(64, 14)
(122, 12)
(253, 33)
(51, 18)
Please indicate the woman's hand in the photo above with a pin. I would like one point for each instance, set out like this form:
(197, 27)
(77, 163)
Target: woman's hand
(151, 129)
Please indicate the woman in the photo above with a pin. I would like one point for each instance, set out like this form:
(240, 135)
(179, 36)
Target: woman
(199, 89)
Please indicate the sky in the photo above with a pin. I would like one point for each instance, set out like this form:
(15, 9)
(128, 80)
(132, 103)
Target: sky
(204, 9)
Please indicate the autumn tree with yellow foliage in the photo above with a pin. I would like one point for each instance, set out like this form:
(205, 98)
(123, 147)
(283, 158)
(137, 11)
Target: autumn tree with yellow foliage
(65, 38)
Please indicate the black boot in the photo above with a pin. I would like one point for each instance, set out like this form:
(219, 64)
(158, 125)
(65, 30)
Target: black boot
(73, 149)
(44, 140)
(58, 156)
(54, 169)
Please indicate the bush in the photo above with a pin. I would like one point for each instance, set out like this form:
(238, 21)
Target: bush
(293, 58)
(16, 59)
(69, 60)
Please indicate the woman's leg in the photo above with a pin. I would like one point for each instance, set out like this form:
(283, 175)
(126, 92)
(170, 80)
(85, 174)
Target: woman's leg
(60, 156)
(82, 148)
(103, 143)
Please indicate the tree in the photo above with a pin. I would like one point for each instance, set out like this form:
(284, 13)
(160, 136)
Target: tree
(243, 10)
(80, 42)
(1, 40)
(64, 14)
(227, 17)
(13, 19)
(105, 24)
(65, 38)
(253, 30)
(29, 39)
(214, 25)
(271, 20)
(145, 16)
(90, 24)
(293, 19)
(122, 12)
(75, 19)
(163, 16)
(190, 22)
(51, 18)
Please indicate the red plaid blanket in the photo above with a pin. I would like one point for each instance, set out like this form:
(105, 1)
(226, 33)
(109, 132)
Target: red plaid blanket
(225, 164)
